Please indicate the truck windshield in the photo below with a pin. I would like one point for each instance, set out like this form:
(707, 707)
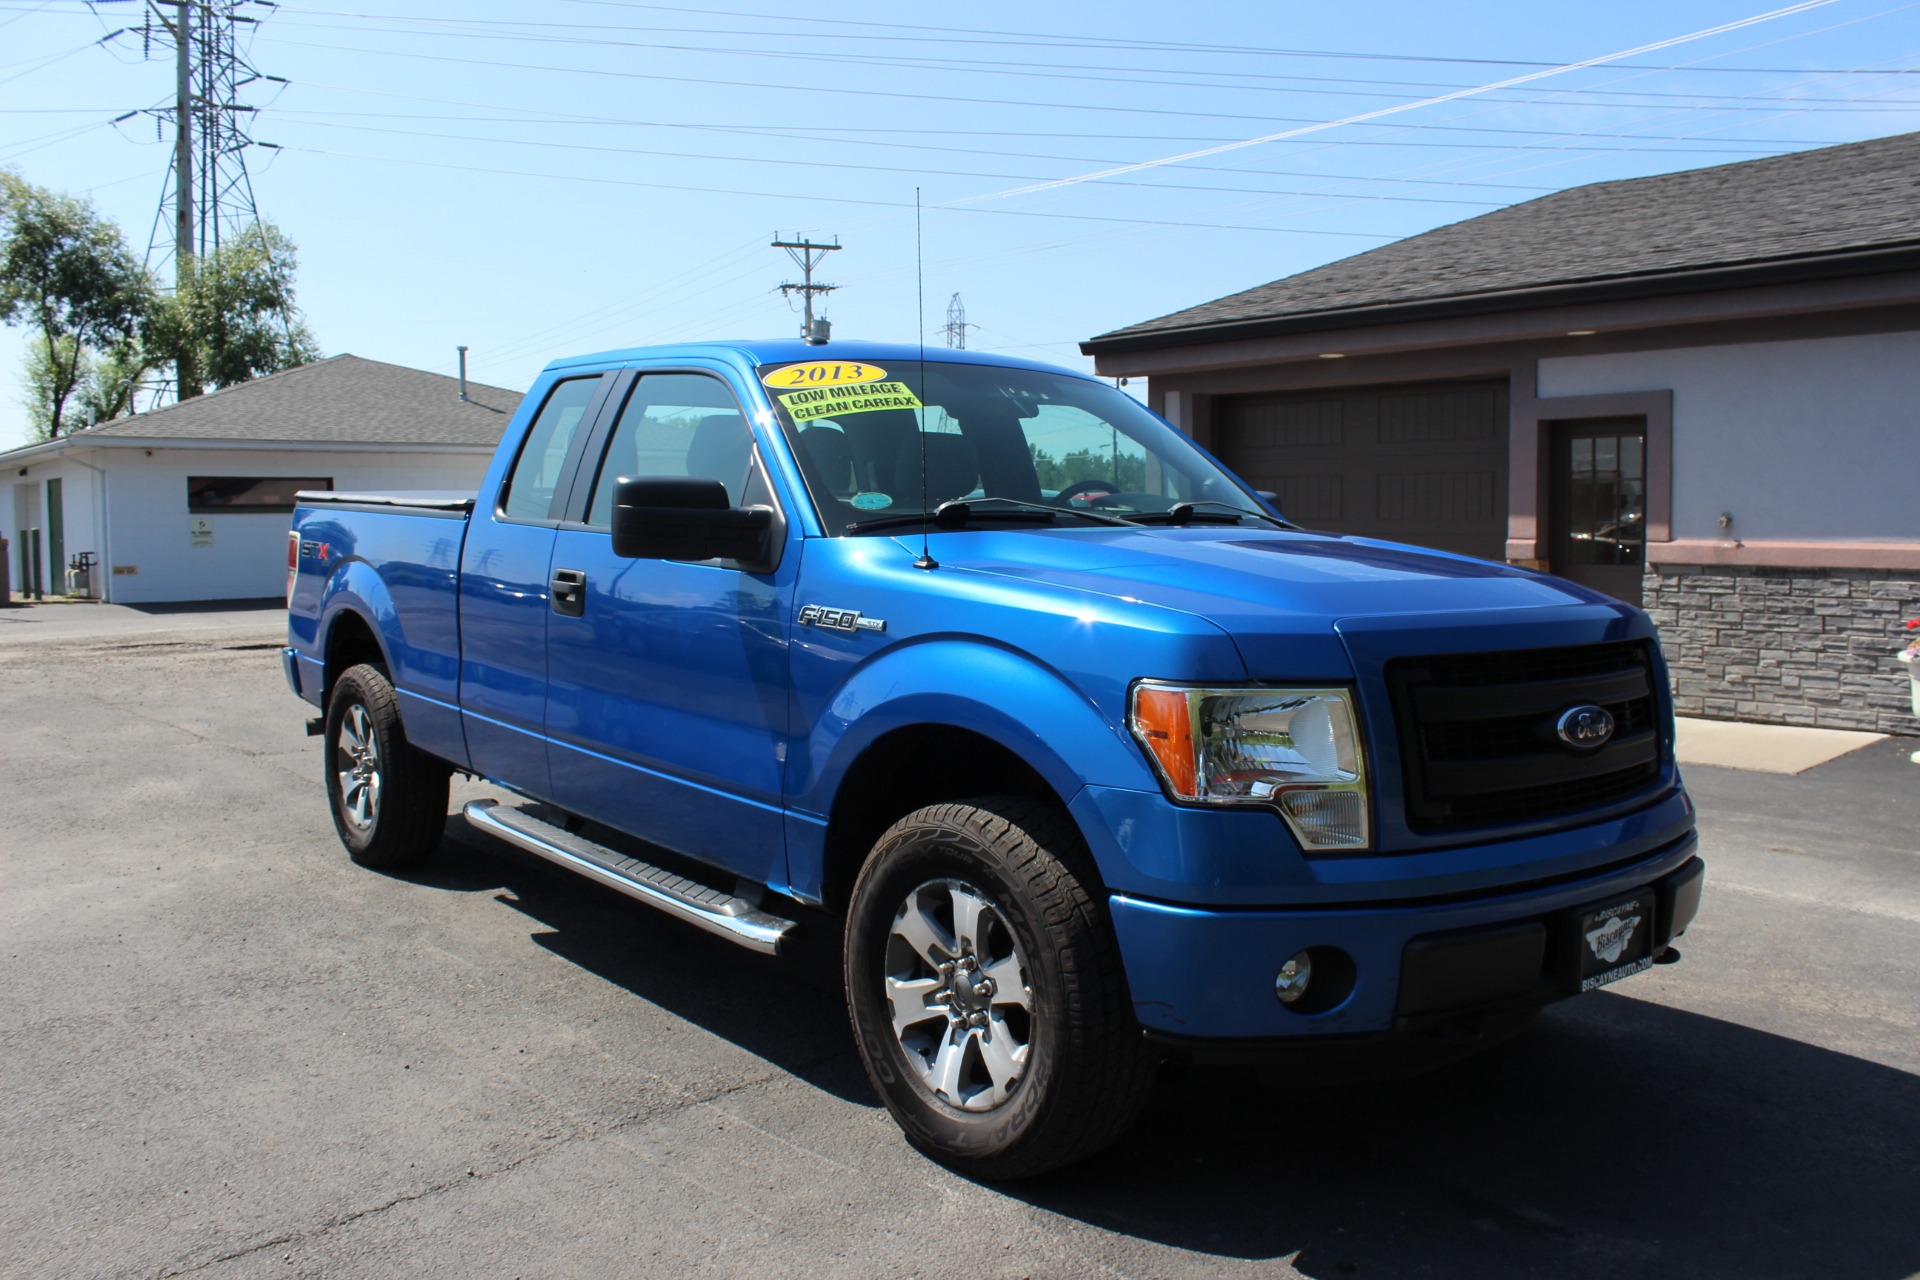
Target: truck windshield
(883, 447)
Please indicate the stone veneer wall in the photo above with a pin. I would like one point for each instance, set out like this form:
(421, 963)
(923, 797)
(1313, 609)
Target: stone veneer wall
(1787, 646)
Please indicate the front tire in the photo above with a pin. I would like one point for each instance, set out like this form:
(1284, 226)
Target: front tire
(388, 798)
(987, 993)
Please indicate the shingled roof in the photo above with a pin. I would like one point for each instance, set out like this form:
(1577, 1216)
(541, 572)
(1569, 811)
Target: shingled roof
(1654, 234)
(340, 400)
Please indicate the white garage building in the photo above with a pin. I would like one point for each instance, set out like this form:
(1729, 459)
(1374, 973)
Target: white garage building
(191, 502)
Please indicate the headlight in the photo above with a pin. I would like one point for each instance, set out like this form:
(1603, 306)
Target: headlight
(1297, 750)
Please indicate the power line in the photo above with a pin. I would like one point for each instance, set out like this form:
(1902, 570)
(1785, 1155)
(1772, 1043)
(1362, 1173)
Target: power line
(1049, 71)
(842, 166)
(967, 35)
(1365, 117)
(970, 99)
(799, 195)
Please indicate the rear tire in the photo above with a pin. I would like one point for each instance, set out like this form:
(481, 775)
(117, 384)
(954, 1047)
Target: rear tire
(987, 992)
(388, 799)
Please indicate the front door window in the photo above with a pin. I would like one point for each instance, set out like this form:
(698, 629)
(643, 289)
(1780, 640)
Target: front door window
(1600, 505)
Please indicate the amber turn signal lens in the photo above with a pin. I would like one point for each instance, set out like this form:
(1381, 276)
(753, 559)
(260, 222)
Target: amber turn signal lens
(1163, 721)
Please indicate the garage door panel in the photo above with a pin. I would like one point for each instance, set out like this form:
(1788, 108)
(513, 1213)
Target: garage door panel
(1421, 464)
(1311, 499)
(1425, 417)
(1290, 426)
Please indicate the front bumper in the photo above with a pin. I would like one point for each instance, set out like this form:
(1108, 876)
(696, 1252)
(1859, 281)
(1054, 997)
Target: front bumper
(1208, 974)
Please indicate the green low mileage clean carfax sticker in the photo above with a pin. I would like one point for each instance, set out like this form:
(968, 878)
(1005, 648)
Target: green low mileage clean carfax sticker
(837, 401)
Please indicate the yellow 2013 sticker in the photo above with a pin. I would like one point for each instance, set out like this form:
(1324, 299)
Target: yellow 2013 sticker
(838, 401)
(823, 373)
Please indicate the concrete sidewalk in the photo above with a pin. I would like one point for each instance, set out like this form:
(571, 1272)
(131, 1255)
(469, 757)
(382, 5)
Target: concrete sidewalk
(25, 622)
(1764, 748)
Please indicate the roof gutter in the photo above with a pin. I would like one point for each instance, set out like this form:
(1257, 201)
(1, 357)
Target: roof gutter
(29, 452)
(1749, 275)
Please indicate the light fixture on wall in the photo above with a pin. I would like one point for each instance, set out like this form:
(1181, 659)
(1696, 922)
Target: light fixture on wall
(1333, 355)
(1580, 333)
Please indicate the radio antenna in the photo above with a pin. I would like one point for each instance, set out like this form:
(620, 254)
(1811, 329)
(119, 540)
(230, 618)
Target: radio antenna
(926, 560)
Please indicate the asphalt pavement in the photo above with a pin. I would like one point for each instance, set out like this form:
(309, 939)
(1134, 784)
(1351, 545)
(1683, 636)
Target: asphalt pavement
(229, 1052)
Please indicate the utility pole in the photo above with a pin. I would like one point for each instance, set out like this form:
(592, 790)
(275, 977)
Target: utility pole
(957, 326)
(807, 255)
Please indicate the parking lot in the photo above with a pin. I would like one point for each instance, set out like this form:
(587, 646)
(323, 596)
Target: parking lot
(230, 1052)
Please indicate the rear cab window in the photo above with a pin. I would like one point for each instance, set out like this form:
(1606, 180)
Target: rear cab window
(540, 470)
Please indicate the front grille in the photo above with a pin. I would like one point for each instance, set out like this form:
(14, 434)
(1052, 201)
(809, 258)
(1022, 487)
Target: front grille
(1478, 742)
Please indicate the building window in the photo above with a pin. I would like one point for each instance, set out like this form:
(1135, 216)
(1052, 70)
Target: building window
(248, 495)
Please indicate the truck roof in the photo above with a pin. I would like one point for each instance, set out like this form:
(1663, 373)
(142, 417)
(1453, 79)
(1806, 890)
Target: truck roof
(765, 351)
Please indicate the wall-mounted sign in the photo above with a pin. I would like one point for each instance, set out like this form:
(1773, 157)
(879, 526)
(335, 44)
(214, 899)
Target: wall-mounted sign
(199, 531)
(126, 570)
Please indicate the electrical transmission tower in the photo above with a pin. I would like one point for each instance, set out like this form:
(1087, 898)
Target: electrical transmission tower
(807, 255)
(208, 194)
(957, 326)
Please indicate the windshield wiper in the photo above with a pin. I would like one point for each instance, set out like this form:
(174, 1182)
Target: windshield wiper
(1188, 513)
(1047, 509)
(959, 513)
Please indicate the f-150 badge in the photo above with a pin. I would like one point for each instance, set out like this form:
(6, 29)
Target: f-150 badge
(814, 615)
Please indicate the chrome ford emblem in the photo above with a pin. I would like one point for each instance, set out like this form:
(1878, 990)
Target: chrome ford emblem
(1585, 728)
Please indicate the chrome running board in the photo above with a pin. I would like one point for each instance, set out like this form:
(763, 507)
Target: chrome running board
(731, 917)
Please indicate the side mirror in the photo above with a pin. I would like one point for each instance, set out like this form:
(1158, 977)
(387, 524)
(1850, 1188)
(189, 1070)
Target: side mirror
(1272, 499)
(686, 518)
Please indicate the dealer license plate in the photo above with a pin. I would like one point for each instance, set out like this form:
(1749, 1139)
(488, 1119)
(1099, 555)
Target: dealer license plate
(1616, 940)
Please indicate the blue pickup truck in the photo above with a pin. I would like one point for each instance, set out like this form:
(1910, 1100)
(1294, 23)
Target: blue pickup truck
(1090, 757)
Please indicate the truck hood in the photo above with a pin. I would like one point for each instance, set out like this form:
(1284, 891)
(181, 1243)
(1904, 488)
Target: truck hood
(1279, 594)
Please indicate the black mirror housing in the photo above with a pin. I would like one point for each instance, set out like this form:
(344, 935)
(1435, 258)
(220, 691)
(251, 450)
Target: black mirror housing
(686, 518)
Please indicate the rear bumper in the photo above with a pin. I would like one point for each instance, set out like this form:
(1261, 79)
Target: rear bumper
(1442, 967)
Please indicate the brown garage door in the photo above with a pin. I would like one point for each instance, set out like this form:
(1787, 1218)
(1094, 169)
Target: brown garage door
(1423, 464)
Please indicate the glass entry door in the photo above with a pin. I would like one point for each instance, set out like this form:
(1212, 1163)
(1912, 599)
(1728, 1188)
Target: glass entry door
(1599, 497)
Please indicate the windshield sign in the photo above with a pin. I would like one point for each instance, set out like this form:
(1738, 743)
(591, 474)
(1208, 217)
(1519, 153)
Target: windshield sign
(1017, 446)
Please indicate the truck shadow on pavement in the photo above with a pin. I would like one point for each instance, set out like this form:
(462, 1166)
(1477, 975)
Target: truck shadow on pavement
(788, 1009)
(1616, 1138)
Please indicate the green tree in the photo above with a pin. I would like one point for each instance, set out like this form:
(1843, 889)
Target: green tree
(102, 384)
(1126, 472)
(233, 317)
(65, 272)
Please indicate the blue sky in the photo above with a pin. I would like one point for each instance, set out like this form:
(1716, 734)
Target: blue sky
(537, 180)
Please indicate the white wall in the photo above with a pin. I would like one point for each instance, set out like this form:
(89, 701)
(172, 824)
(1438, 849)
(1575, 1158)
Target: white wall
(150, 527)
(1813, 440)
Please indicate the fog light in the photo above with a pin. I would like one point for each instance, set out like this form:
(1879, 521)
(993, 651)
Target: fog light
(1291, 982)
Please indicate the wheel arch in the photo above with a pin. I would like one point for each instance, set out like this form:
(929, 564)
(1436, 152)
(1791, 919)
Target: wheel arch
(908, 768)
(349, 639)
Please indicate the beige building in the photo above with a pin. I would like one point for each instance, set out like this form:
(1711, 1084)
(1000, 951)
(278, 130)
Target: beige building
(1698, 391)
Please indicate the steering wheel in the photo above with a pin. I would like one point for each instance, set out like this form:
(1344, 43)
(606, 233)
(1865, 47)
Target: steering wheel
(1079, 487)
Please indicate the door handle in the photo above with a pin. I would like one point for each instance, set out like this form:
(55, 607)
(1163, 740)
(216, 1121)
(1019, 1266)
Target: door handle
(568, 588)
